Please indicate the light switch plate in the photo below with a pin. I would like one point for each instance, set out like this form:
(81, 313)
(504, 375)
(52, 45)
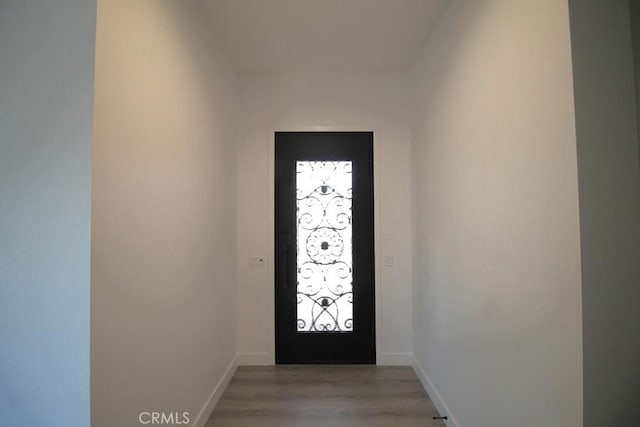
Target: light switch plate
(256, 262)
(388, 260)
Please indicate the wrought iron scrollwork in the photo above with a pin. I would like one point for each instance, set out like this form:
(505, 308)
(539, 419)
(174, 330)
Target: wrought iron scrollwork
(324, 246)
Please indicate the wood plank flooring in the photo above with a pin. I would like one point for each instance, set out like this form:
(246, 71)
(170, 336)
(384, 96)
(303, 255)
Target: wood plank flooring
(324, 396)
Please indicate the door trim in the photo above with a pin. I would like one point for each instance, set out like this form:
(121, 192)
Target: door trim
(270, 138)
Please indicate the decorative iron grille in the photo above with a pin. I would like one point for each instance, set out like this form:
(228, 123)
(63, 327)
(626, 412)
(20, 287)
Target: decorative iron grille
(324, 246)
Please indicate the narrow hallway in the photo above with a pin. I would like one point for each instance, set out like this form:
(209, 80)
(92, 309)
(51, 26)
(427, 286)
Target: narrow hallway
(165, 259)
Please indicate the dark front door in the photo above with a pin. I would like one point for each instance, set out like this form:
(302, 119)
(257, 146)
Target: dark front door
(324, 275)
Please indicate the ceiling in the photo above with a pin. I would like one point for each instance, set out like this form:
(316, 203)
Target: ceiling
(266, 36)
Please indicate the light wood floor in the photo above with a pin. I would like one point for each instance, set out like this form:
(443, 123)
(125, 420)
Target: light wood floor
(324, 396)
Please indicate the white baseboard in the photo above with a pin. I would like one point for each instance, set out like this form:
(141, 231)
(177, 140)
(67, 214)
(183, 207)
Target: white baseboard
(255, 359)
(207, 409)
(394, 359)
(383, 359)
(433, 393)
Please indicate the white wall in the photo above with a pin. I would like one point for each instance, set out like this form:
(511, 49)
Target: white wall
(46, 98)
(324, 102)
(163, 282)
(609, 209)
(497, 312)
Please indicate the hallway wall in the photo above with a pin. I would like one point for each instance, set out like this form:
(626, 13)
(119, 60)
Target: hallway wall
(46, 121)
(358, 101)
(497, 297)
(634, 12)
(609, 175)
(163, 256)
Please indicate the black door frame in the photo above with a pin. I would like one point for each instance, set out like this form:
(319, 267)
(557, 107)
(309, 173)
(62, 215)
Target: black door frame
(354, 347)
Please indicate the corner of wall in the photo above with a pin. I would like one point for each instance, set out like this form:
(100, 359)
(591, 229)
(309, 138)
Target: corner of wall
(208, 407)
(431, 390)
